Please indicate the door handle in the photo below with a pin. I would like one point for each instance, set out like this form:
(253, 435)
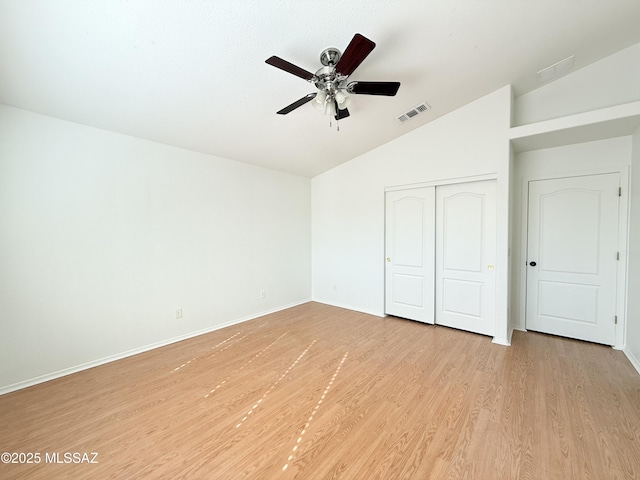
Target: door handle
(533, 264)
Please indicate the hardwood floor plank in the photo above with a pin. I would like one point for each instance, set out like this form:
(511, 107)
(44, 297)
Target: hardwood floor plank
(321, 392)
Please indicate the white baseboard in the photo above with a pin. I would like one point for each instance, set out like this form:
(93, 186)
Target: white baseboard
(119, 356)
(632, 358)
(350, 307)
(504, 341)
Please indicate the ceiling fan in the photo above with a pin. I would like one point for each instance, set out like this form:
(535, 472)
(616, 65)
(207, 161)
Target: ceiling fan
(333, 92)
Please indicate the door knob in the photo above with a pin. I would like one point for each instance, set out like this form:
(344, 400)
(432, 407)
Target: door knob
(533, 264)
(388, 259)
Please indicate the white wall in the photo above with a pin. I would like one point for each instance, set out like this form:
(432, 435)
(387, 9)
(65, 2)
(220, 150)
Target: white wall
(103, 236)
(633, 307)
(348, 201)
(611, 81)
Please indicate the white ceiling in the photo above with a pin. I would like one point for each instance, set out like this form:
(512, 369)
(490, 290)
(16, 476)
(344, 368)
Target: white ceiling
(192, 73)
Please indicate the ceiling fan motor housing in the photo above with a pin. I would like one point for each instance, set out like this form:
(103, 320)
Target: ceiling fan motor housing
(327, 80)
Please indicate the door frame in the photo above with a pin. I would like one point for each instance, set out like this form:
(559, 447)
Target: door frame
(445, 181)
(623, 243)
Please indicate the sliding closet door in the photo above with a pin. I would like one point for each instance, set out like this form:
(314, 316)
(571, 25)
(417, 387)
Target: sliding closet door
(409, 251)
(465, 256)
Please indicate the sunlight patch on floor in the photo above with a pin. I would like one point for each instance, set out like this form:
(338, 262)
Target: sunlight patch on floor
(275, 384)
(315, 410)
(246, 364)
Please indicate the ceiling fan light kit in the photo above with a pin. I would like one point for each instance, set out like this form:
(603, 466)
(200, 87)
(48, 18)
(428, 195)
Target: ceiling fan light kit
(332, 97)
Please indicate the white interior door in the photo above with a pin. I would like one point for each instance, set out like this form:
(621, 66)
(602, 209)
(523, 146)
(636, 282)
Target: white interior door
(465, 256)
(572, 257)
(409, 245)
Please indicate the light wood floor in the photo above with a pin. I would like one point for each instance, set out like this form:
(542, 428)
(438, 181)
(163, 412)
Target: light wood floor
(317, 392)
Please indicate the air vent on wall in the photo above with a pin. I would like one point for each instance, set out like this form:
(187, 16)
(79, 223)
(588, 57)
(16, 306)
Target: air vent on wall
(556, 70)
(423, 107)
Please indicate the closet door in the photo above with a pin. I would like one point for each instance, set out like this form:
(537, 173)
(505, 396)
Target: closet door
(409, 251)
(465, 256)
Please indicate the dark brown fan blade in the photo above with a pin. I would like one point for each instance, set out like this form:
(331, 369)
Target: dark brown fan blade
(296, 104)
(340, 114)
(355, 53)
(388, 89)
(289, 67)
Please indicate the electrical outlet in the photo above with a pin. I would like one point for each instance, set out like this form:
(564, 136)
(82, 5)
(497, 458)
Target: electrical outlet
(178, 312)
(263, 294)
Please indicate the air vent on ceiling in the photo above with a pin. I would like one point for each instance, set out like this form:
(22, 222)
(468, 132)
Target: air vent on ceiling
(556, 70)
(423, 107)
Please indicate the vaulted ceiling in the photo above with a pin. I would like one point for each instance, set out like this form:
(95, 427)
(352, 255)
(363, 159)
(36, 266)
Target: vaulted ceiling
(192, 73)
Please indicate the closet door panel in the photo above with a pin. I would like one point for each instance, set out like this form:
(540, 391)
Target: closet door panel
(465, 256)
(409, 251)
